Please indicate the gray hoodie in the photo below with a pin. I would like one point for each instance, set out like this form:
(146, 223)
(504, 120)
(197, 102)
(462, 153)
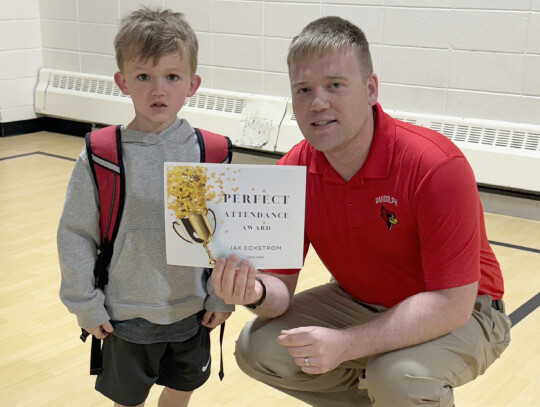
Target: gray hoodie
(141, 283)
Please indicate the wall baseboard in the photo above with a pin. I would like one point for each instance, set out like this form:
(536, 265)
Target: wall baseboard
(52, 124)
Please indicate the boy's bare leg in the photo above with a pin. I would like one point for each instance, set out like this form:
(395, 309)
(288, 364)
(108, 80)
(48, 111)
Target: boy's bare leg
(169, 398)
(174, 398)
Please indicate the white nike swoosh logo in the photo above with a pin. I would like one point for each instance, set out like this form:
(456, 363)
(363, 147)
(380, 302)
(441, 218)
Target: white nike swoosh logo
(206, 366)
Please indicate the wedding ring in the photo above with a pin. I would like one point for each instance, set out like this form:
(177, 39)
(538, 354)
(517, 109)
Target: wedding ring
(306, 360)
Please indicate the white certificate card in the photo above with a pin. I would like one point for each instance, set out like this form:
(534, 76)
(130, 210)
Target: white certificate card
(253, 211)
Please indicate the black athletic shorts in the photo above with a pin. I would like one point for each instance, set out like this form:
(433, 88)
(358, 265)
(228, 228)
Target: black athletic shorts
(130, 370)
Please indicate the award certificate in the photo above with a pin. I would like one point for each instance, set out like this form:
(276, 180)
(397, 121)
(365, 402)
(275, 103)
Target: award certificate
(253, 211)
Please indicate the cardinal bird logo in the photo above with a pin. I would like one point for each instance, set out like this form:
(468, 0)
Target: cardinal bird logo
(388, 217)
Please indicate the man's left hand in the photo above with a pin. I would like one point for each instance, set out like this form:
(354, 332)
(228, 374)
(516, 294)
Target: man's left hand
(315, 349)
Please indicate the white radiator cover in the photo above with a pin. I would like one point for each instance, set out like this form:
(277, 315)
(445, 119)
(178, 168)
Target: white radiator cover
(502, 154)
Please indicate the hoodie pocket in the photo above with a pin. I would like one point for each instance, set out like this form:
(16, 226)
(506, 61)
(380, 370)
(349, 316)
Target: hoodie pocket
(141, 274)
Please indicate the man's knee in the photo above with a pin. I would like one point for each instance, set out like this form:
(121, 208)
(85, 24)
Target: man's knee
(246, 350)
(405, 382)
(259, 355)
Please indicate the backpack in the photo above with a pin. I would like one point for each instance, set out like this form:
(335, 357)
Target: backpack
(104, 149)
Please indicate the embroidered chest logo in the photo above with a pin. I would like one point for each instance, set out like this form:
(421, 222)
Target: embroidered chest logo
(388, 217)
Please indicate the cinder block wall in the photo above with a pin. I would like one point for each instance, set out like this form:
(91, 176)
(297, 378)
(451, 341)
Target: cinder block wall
(477, 59)
(20, 58)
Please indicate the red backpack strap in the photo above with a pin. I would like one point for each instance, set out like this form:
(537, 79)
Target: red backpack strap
(215, 148)
(104, 150)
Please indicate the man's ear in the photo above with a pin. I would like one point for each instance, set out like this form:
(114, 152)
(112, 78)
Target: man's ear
(121, 82)
(373, 89)
(194, 85)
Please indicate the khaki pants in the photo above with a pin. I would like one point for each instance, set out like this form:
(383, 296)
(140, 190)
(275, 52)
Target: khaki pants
(424, 374)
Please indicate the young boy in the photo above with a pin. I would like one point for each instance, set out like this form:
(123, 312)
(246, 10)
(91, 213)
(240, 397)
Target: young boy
(155, 317)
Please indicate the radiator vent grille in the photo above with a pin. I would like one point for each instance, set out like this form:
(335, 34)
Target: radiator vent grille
(216, 103)
(502, 154)
(488, 136)
(86, 85)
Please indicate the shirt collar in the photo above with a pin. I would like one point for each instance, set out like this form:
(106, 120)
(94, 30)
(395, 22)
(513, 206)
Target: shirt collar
(144, 138)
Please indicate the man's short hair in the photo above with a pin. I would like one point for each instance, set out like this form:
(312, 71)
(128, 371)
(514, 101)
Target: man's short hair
(152, 33)
(330, 33)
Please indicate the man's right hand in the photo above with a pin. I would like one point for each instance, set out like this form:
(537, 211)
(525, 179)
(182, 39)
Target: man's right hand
(102, 331)
(235, 284)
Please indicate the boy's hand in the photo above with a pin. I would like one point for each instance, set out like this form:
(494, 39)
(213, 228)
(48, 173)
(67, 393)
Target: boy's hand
(102, 331)
(211, 319)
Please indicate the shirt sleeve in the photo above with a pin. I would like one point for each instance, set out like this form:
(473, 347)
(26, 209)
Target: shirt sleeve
(77, 241)
(448, 211)
(213, 302)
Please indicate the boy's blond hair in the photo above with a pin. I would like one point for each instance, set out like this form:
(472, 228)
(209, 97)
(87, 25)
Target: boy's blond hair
(152, 33)
(331, 33)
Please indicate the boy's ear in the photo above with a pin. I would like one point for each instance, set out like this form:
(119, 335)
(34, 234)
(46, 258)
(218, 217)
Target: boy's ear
(194, 85)
(121, 82)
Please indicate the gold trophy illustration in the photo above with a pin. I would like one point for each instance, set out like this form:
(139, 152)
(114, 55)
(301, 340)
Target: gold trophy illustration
(196, 228)
(187, 193)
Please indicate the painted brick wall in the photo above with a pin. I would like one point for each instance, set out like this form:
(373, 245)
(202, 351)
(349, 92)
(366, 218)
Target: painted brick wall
(478, 59)
(20, 58)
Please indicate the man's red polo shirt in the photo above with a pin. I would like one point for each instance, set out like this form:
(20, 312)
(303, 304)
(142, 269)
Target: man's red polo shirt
(409, 221)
